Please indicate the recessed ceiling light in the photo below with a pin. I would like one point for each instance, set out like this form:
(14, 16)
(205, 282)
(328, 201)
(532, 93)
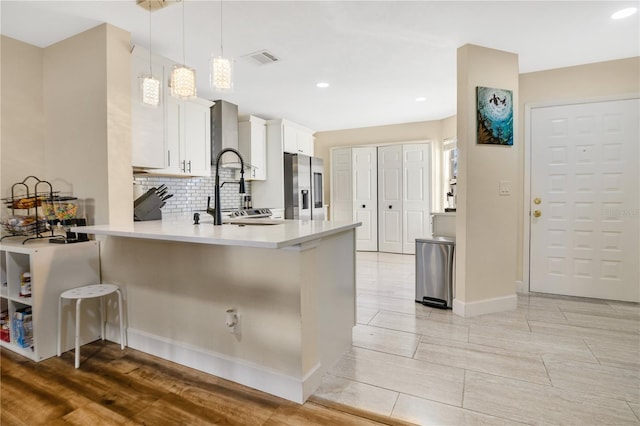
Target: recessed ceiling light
(421, 99)
(624, 13)
(322, 85)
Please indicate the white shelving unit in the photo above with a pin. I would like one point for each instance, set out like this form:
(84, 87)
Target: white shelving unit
(54, 268)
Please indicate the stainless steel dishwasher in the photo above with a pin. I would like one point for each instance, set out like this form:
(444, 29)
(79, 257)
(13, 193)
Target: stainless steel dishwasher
(435, 258)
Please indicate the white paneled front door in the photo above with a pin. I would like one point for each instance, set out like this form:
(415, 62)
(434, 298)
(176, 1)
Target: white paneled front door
(390, 198)
(365, 200)
(585, 191)
(416, 190)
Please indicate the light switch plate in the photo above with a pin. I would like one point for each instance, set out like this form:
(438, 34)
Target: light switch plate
(504, 187)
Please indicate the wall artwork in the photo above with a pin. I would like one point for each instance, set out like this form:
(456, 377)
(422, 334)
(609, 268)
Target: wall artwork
(495, 116)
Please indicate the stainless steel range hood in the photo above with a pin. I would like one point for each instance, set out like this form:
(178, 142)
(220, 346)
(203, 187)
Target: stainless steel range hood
(224, 132)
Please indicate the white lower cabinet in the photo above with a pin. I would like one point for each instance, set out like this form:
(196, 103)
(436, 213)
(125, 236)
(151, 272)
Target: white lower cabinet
(388, 189)
(32, 314)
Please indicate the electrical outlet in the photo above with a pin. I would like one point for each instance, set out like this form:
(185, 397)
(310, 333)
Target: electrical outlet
(504, 187)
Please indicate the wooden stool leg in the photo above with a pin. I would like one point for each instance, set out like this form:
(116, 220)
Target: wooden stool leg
(78, 332)
(122, 344)
(59, 325)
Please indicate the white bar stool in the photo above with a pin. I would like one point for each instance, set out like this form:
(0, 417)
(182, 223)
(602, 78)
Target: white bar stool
(89, 292)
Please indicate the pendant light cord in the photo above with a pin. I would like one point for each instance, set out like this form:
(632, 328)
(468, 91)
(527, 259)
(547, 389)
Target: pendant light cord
(184, 61)
(150, 67)
(221, 44)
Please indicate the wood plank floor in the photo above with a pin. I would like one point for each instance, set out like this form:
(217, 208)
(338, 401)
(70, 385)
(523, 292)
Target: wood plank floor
(114, 387)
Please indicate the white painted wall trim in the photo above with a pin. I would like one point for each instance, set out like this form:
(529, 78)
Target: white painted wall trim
(528, 108)
(520, 287)
(239, 371)
(486, 306)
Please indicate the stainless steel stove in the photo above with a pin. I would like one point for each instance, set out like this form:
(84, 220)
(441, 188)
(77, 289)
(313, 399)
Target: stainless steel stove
(251, 213)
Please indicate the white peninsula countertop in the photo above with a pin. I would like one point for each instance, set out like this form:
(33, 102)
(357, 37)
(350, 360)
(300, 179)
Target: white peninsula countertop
(283, 233)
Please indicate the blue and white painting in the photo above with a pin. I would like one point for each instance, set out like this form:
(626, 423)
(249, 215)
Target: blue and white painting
(495, 116)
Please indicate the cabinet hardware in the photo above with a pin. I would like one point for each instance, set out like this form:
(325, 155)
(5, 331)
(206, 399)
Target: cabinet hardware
(390, 207)
(537, 213)
(189, 166)
(364, 206)
(537, 200)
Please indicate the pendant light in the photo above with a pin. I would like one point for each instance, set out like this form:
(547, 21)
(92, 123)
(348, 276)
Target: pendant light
(183, 78)
(221, 67)
(149, 85)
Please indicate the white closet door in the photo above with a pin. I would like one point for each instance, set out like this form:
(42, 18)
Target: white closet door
(341, 185)
(416, 202)
(365, 199)
(390, 198)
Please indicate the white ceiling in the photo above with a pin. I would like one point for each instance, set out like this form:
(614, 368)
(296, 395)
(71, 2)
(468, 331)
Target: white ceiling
(378, 56)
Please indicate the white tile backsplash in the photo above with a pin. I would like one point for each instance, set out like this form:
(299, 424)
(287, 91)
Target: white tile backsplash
(190, 194)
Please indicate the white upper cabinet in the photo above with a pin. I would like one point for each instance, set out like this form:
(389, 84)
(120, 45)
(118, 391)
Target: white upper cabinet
(175, 137)
(297, 139)
(252, 144)
(147, 123)
(188, 137)
(197, 137)
(280, 136)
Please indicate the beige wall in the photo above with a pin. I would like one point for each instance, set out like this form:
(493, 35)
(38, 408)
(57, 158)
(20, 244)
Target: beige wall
(485, 222)
(66, 115)
(22, 140)
(87, 110)
(583, 82)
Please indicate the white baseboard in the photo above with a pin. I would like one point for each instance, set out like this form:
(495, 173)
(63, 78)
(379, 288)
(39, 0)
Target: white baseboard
(520, 287)
(487, 306)
(239, 371)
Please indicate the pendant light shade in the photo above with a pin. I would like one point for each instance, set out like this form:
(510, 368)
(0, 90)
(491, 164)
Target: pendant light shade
(221, 67)
(183, 82)
(183, 78)
(221, 74)
(149, 85)
(149, 90)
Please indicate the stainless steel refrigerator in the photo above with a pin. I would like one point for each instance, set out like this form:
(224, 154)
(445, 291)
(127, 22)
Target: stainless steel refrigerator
(303, 183)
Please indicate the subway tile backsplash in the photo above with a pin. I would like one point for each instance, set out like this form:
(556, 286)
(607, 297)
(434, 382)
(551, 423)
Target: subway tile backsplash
(190, 194)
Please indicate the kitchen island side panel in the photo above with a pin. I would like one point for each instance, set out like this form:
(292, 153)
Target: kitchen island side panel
(177, 294)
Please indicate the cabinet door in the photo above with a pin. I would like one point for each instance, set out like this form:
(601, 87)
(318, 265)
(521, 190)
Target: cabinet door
(305, 143)
(173, 135)
(258, 150)
(365, 197)
(252, 144)
(197, 140)
(147, 123)
(390, 198)
(290, 139)
(341, 185)
(416, 195)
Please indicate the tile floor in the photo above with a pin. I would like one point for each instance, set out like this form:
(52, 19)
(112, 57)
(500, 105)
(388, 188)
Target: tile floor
(554, 360)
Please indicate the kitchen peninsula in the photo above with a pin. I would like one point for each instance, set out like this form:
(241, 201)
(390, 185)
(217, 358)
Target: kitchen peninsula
(291, 285)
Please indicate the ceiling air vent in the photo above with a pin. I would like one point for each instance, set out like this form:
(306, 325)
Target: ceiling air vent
(263, 57)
